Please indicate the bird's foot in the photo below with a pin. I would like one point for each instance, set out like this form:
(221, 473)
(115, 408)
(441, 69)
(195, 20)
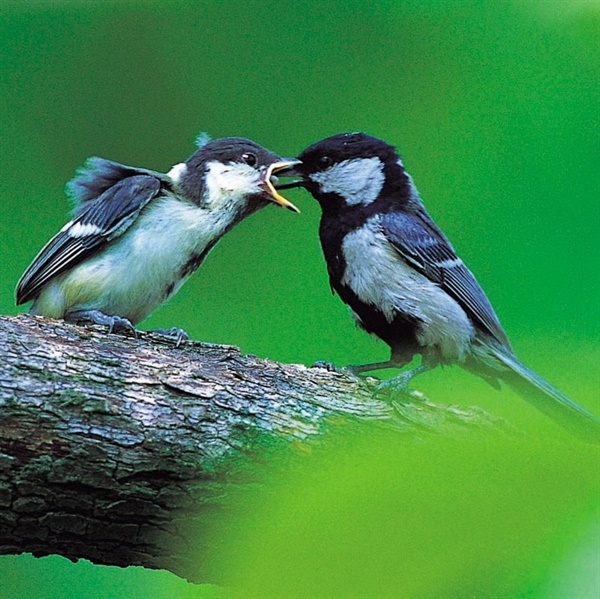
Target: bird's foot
(174, 334)
(332, 367)
(327, 366)
(114, 323)
(399, 384)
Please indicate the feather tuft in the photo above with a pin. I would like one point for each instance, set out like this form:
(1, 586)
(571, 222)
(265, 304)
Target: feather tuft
(202, 139)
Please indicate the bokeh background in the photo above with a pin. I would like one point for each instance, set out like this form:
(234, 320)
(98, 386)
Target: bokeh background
(494, 107)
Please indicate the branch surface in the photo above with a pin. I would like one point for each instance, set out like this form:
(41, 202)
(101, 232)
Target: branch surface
(111, 446)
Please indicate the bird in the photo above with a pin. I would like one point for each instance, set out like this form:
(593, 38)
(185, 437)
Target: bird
(403, 281)
(136, 235)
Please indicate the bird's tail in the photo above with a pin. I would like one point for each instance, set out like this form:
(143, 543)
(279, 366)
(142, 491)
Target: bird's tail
(546, 398)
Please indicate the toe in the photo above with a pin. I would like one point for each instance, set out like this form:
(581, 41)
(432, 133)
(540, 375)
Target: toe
(118, 323)
(327, 366)
(397, 385)
(174, 334)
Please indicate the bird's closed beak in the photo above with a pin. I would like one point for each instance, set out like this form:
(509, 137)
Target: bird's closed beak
(291, 171)
(270, 182)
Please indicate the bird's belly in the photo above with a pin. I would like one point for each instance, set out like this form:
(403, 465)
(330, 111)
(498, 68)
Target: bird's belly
(105, 284)
(397, 303)
(137, 272)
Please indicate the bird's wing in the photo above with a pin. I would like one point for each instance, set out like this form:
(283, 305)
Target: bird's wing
(424, 247)
(97, 221)
(98, 175)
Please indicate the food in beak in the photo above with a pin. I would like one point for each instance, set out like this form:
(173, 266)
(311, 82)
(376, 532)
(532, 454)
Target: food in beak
(270, 180)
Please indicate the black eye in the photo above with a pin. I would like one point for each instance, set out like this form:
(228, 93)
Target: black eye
(249, 158)
(324, 162)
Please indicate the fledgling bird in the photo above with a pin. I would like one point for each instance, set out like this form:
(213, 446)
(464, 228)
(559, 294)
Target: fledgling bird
(136, 235)
(402, 279)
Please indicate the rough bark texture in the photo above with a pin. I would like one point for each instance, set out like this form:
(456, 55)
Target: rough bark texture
(118, 449)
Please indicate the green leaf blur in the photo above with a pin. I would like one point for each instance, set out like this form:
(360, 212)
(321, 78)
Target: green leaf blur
(494, 107)
(372, 517)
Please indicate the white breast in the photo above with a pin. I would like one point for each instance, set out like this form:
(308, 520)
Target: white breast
(379, 277)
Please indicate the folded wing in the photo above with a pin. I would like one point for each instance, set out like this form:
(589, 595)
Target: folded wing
(98, 220)
(418, 240)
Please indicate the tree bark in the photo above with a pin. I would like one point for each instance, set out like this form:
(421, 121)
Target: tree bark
(119, 449)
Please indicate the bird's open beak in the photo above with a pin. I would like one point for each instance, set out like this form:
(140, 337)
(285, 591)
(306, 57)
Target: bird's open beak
(270, 182)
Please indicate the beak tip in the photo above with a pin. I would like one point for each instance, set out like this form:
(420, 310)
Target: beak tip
(285, 203)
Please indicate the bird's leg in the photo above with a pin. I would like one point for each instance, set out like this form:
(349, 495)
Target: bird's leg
(173, 334)
(356, 369)
(97, 317)
(400, 357)
(360, 368)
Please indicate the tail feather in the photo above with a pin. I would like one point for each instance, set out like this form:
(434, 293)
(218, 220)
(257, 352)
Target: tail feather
(549, 400)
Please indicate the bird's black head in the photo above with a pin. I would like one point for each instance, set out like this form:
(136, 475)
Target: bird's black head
(351, 170)
(231, 172)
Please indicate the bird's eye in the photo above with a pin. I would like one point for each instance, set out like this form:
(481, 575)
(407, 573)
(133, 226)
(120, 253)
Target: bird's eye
(249, 158)
(324, 162)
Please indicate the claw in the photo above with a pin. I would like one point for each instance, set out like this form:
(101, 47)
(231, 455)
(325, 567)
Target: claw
(329, 367)
(174, 333)
(114, 323)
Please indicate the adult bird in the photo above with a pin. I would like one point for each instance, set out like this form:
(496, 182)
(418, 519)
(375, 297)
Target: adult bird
(402, 279)
(136, 235)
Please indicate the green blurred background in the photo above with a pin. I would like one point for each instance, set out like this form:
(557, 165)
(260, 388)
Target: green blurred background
(493, 105)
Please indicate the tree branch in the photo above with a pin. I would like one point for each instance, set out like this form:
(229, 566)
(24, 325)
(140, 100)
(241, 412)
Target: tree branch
(110, 446)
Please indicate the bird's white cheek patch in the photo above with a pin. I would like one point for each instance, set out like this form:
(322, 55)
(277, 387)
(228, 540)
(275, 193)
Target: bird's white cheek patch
(230, 183)
(358, 181)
